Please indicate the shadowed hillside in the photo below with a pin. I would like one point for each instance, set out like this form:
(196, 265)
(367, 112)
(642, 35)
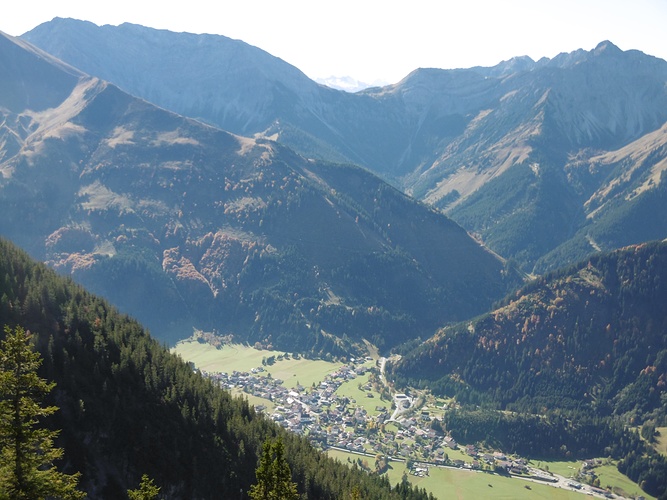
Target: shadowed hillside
(589, 338)
(128, 407)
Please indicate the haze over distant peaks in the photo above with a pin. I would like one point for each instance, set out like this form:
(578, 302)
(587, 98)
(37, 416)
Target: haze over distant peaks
(348, 83)
(500, 149)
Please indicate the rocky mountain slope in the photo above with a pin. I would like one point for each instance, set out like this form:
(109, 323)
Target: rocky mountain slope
(221, 81)
(499, 149)
(182, 224)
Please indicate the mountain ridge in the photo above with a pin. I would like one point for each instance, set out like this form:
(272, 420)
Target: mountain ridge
(183, 224)
(450, 138)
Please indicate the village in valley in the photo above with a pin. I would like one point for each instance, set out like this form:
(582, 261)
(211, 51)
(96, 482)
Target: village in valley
(354, 410)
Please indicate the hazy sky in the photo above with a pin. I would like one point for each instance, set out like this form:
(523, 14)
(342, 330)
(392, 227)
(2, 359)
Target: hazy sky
(382, 40)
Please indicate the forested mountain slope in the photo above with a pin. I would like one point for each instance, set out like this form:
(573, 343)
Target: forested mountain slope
(571, 366)
(182, 224)
(591, 338)
(128, 407)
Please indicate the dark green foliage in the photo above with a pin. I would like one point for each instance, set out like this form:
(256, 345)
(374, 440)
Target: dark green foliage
(590, 338)
(623, 222)
(584, 348)
(274, 478)
(647, 470)
(551, 436)
(137, 284)
(27, 451)
(129, 407)
(648, 432)
(522, 215)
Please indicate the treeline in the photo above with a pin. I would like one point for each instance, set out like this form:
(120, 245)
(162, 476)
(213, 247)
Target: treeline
(549, 436)
(649, 470)
(128, 407)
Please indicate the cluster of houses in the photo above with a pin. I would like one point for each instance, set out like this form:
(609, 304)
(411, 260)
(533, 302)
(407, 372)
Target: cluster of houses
(333, 421)
(330, 420)
(252, 382)
(301, 410)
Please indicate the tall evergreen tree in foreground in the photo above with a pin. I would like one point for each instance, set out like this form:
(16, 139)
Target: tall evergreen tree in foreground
(274, 478)
(27, 452)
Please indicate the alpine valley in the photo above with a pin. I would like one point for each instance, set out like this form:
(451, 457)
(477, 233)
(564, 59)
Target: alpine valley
(495, 233)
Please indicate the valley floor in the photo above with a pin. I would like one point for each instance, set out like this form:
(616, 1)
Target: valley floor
(350, 411)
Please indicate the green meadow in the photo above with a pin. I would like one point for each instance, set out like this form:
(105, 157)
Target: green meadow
(446, 483)
(609, 475)
(351, 390)
(563, 468)
(244, 358)
(661, 440)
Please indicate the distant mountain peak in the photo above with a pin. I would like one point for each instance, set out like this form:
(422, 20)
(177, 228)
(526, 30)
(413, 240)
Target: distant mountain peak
(607, 48)
(348, 83)
(513, 65)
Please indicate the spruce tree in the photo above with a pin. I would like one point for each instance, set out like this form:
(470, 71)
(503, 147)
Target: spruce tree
(147, 490)
(274, 477)
(27, 452)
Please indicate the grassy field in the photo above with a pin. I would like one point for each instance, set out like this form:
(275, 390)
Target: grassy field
(229, 358)
(448, 483)
(609, 475)
(352, 391)
(243, 358)
(565, 469)
(465, 484)
(661, 440)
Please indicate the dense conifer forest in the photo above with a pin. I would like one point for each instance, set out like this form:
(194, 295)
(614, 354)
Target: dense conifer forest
(565, 367)
(128, 407)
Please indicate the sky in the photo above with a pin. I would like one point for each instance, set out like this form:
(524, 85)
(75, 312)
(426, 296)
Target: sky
(382, 41)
